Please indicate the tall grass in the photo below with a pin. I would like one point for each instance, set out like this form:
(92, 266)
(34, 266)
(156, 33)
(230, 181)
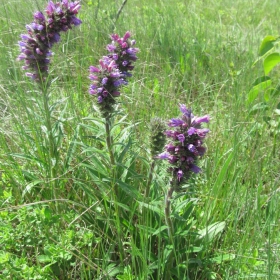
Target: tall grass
(193, 52)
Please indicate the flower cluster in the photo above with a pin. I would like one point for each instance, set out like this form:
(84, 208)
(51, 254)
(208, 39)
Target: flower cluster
(186, 145)
(43, 32)
(157, 135)
(112, 72)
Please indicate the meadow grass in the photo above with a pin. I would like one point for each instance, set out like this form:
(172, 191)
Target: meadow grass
(199, 53)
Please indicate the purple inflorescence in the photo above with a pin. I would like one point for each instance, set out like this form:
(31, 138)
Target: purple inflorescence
(186, 144)
(113, 71)
(43, 32)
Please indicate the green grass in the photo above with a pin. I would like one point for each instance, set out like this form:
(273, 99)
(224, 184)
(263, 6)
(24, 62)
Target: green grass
(199, 53)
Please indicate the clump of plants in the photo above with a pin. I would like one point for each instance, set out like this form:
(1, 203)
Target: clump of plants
(143, 225)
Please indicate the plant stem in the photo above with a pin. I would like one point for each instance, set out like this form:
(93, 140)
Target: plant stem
(53, 156)
(170, 229)
(151, 172)
(109, 142)
(118, 13)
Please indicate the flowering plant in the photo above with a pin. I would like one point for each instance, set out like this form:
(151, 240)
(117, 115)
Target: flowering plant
(112, 72)
(43, 32)
(186, 145)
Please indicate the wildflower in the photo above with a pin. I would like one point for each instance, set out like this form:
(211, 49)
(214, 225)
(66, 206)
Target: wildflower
(112, 72)
(185, 146)
(43, 32)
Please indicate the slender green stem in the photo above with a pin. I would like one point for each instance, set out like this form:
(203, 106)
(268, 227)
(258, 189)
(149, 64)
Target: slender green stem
(118, 13)
(109, 142)
(151, 172)
(53, 156)
(170, 229)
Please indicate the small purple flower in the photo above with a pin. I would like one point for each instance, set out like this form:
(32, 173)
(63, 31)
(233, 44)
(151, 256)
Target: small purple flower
(172, 159)
(191, 131)
(104, 81)
(191, 148)
(202, 132)
(194, 168)
(170, 148)
(199, 120)
(111, 47)
(94, 69)
(181, 138)
(175, 122)
(185, 111)
(164, 155)
(180, 175)
(172, 134)
(190, 160)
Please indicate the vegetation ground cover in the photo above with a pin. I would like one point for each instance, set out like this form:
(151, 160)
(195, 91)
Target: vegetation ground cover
(197, 53)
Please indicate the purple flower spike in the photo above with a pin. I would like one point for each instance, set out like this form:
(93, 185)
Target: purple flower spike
(113, 72)
(185, 146)
(43, 32)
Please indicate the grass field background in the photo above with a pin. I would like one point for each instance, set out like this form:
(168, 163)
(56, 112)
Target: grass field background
(199, 53)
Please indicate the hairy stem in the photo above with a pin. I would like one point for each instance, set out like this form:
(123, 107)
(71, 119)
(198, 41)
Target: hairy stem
(53, 154)
(170, 228)
(109, 142)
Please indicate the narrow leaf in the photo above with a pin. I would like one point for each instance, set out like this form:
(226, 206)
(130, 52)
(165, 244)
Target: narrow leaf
(29, 187)
(211, 231)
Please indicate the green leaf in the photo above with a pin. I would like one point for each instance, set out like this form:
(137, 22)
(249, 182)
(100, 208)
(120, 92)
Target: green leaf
(221, 177)
(71, 149)
(124, 151)
(260, 80)
(29, 187)
(153, 206)
(223, 258)
(255, 90)
(267, 44)
(258, 107)
(27, 157)
(270, 62)
(162, 228)
(128, 189)
(44, 259)
(211, 231)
